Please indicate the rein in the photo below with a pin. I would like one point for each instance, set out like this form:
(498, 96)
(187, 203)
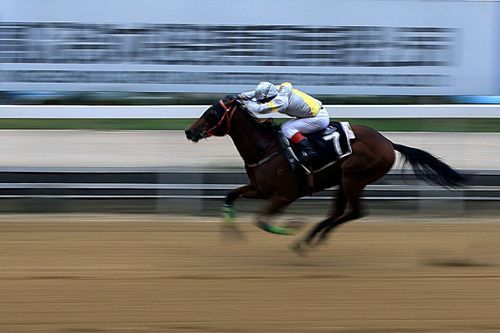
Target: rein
(228, 116)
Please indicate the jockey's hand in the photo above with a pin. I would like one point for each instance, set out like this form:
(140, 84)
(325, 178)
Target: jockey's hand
(231, 97)
(242, 97)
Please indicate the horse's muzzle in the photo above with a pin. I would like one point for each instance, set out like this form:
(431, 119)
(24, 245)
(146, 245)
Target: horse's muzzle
(192, 136)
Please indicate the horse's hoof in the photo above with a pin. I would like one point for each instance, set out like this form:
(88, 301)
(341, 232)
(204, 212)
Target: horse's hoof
(231, 231)
(228, 213)
(321, 239)
(300, 248)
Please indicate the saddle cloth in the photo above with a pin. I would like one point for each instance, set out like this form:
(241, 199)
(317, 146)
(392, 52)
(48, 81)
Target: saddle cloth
(331, 144)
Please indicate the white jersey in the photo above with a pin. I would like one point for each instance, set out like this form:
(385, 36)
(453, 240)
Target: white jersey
(289, 101)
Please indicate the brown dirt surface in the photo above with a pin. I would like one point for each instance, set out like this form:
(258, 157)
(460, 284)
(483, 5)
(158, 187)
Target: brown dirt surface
(158, 273)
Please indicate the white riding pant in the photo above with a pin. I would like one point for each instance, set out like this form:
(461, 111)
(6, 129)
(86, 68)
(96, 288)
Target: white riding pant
(306, 125)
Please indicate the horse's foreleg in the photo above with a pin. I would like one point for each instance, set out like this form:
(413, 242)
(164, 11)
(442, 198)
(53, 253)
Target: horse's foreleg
(246, 191)
(230, 229)
(274, 206)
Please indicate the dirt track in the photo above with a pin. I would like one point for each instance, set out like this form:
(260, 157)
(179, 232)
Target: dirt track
(136, 273)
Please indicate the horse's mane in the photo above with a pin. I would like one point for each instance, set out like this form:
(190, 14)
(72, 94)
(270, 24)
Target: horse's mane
(266, 124)
(261, 123)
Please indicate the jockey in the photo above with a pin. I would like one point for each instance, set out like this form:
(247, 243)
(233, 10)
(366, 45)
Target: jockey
(310, 114)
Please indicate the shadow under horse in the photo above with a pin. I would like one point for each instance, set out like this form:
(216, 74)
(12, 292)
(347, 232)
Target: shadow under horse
(272, 178)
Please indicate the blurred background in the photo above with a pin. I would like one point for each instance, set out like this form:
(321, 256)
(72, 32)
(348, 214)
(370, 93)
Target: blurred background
(115, 84)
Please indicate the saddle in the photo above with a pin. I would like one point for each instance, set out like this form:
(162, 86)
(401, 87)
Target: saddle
(332, 144)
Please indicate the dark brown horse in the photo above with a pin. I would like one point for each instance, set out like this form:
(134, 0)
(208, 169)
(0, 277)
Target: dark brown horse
(272, 178)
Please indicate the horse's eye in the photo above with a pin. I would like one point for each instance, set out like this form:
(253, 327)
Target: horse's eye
(211, 117)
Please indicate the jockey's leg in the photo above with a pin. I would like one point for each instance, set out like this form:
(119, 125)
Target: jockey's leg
(288, 151)
(294, 129)
(306, 125)
(306, 149)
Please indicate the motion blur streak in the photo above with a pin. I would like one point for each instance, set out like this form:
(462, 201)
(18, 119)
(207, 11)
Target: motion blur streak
(150, 273)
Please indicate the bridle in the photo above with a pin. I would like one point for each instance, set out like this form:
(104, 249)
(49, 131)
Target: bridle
(228, 116)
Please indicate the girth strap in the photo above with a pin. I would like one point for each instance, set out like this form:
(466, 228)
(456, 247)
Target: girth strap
(262, 161)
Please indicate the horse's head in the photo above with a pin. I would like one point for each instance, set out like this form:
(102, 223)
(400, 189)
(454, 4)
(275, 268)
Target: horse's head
(215, 121)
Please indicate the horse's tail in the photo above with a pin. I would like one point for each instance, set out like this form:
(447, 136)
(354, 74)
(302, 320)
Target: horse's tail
(429, 168)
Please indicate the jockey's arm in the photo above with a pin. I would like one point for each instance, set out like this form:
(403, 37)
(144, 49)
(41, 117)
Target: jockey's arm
(248, 95)
(277, 104)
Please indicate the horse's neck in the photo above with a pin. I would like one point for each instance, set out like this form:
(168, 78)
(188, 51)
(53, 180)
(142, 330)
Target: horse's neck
(253, 143)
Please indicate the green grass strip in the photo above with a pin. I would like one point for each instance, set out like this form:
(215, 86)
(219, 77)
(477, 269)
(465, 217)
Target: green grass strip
(400, 124)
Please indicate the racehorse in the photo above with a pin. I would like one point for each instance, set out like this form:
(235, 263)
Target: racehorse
(272, 178)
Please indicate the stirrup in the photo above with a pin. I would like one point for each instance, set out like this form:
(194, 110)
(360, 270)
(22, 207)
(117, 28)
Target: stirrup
(307, 158)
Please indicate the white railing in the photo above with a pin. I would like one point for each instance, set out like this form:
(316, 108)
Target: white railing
(194, 111)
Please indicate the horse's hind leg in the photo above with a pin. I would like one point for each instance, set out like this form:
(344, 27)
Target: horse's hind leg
(349, 193)
(353, 184)
(337, 210)
(353, 191)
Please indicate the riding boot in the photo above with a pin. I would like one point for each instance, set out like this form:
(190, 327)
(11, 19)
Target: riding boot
(290, 156)
(307, 151)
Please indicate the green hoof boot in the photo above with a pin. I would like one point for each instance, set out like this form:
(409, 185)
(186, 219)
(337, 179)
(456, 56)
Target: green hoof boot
(228, 213)
(274, 229)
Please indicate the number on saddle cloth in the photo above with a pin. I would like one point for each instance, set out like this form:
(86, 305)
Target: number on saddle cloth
(332, 143)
